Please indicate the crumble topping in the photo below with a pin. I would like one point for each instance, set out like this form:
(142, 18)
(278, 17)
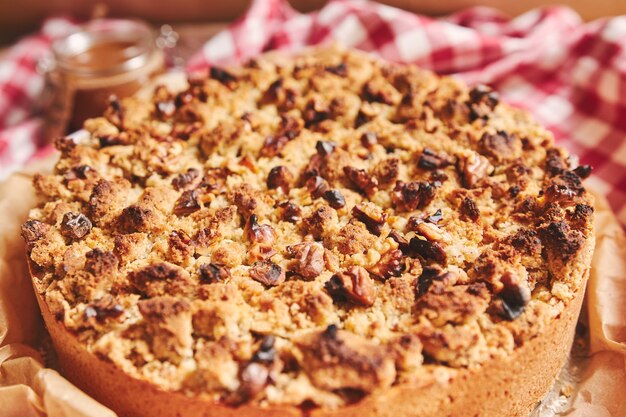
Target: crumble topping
(309, 230)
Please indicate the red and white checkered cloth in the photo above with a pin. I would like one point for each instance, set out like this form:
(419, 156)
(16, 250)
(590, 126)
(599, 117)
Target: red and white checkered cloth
(571, 75)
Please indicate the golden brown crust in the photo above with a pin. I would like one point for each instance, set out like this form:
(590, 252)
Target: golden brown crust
(317, 232)
(504, 387)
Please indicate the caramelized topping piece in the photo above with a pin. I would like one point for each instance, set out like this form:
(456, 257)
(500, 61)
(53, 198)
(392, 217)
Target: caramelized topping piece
(435, 217)
(481, 102)
(583, 171)
(317, 186)
(390, 265)
(325, 148)
(290, 212)
(34, 230)
(354, 284)
(213, 272)
(469, 210)
(75, 225)
(513, 298)
(183, 180)
(335, 199)
(362, 180)
(412, 196)
(370, 214)
(259, 233)
(267, 352)
(369, 139)
(279, 177)
(254, 377)
(187, 203)
(472, 169)
(430, 160)
(308, 259)
(267, 273)
(428, 250)
(103, 308)
(223, 76)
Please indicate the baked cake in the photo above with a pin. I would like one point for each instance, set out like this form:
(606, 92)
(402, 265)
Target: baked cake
(316, 234)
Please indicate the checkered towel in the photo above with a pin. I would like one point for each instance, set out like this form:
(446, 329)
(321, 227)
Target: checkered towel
(571, 75)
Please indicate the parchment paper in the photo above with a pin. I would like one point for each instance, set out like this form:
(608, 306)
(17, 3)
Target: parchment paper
(592, 385)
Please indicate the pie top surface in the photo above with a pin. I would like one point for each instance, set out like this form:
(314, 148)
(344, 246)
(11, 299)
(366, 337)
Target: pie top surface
(309, 230)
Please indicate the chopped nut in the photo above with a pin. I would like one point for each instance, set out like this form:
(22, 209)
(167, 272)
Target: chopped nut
(469, 210)
(254, 377)
(290, 212)
(266, 352)
(354, 284)
(371, 215)
(583, 171)
(277, 93)
(64, 144)
(340, 69)
(363, 181)
(514, 296)
(403, 244)
(564, 188)
(214, 180)
(273, 145)
(315, 112)
(115, 112)
(317, 186)
(183, 180)
(429, 231)
(428, 250)
(555, 162)
(325, 148)
(361, 118)
(213, 273)
(482, 100)
(435, 217)
(164, 105)
(183, 98)
(369, 139)
(389, 265)
(267, 273)
(223, 76)
(308, 259)
(500, 146)
(472, 169)
(103, 309)
(430, 160)
(80, 172)
(187, 203)
(387, 171)
(279, 177)
(75, 225)
(259, 233)
(481, 93)
(412, 196)
(34, 230)
(335, 199)
(379, 91)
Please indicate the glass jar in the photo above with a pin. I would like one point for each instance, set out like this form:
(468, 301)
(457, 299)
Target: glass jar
(102, 58)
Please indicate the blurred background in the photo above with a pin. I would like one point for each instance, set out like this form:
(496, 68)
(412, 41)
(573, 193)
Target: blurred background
(19, 18)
